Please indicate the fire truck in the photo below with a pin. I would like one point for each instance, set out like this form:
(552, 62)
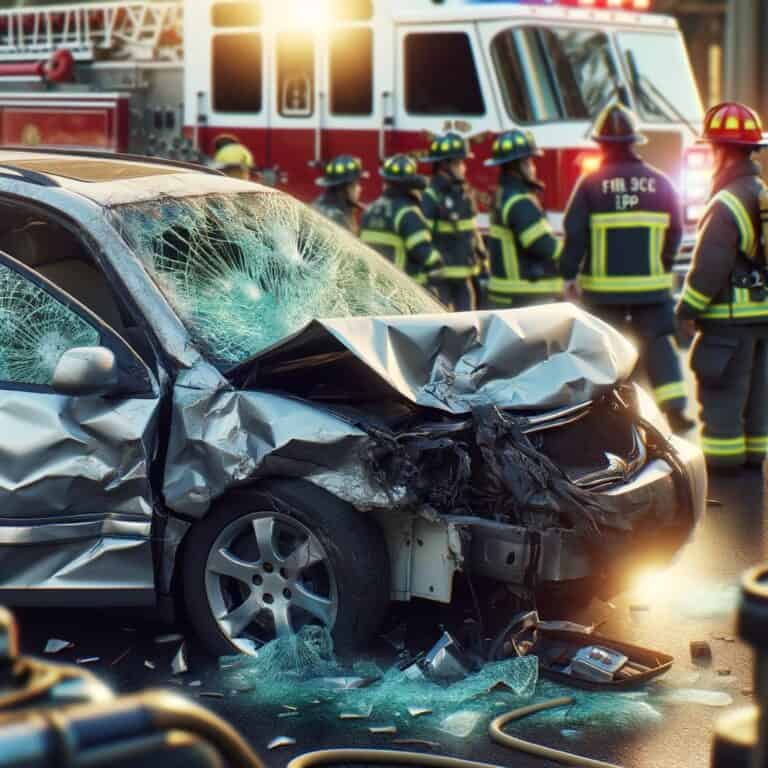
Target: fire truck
(299, 81)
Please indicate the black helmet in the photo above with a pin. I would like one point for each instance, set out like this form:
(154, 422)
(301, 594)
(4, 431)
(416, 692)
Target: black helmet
(513, 145)
(343, 169)
(451, 146)
(617, 124)
(402, 169)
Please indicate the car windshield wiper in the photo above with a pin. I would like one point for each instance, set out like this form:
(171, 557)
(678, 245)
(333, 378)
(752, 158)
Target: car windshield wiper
(648, 92)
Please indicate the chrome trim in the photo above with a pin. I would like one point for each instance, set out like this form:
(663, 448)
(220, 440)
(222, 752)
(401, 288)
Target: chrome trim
(618, 470)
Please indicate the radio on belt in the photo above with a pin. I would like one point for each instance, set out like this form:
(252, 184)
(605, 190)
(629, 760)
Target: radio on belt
(597, 664)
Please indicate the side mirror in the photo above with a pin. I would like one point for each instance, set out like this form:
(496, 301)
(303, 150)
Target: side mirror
(85, 371)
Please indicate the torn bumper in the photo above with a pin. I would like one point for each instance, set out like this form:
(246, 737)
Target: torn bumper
(664, 502)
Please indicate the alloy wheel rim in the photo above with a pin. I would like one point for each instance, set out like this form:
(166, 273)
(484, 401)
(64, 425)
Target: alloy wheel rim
(267, 576)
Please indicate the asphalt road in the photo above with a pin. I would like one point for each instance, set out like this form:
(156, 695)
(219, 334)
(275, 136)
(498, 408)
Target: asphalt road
(667, 725)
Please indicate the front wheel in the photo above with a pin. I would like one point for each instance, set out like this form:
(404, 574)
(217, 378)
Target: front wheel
(267, 562)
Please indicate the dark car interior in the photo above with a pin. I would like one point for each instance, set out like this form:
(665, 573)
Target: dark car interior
(62, 257)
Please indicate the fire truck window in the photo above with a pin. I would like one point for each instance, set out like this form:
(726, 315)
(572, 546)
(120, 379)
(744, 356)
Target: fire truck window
(584, 68)
(236, 14)
(296, 73)
(440, 75)
(237, 62)
(352, 72)
(352, 10)
(506, 50)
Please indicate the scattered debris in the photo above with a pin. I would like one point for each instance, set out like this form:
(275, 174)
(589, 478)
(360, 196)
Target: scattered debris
(362, 714)
(288, 714)
(747, 692)
(281, 741)
(446, 660)
(419, 711)
(54, 645)
(461, 724)
(88, 660)
(179, 664)
(346, 683)
(383, 729)
(417, 743)
(195, 683)
(723, 672)
(166, 639)
(597, 664)
(290, 708)
(701, 652)
(149, 664)
(698, 696)
(413, 672)
(211, 695)
(714, 503)
(120, 658)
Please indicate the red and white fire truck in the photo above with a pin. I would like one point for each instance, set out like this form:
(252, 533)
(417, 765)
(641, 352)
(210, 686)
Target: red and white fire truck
(299, 81)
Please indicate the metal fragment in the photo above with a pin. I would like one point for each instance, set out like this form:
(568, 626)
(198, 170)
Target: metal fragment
(211, 695)
(446, 660)
(88, 660)
(281, 741)
(149, 664)
(195, 683)
(701, 652)
(419, 711)
(288, 714)
(179, 662)
(290, 708)
(54, 645)
(120, 658)
(362, 714)
(382, 729)
(723, 672)
(170, 638)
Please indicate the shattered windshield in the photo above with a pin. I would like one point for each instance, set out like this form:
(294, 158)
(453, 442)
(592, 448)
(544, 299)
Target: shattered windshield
(244, 271)
(661, 77)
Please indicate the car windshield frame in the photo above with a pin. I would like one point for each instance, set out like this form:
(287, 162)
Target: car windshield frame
(647, 89)
(262, 253)
(549, 86)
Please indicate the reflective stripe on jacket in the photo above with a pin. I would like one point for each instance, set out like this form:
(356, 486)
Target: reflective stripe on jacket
(728, 247)
(452, 218)
(623, 227)
(523, 249)
(395, 227)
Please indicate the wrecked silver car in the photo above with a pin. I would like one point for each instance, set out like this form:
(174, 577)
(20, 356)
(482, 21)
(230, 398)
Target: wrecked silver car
(209, 392)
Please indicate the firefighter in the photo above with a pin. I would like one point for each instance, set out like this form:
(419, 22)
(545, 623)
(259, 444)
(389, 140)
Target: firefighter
(725, 296)
(341, 199)
(451, 214)
(395, 226)
(524, 251)
(231, 157)
(626, 219)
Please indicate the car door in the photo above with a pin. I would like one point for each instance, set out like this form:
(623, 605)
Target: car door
(76, 506)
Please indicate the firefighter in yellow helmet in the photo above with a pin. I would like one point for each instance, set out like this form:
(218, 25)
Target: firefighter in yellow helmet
(450, 211)
(623, 228)
(725, 297)
(232, 158)
(340, 200)
(523, 249)
(395, 226)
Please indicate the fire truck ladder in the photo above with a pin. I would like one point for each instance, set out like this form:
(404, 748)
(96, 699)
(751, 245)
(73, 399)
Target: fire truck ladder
(131, 30)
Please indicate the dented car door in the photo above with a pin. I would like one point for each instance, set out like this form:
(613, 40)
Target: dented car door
(77, 419)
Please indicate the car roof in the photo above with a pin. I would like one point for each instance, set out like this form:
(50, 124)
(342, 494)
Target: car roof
(114, 179)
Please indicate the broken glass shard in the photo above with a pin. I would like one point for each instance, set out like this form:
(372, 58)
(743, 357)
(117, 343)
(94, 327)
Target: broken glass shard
(461, 724)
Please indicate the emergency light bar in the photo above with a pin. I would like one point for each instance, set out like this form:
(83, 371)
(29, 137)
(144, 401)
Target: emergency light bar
(611, 5)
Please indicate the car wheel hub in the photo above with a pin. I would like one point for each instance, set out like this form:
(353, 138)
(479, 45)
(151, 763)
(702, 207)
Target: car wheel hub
(267, 568)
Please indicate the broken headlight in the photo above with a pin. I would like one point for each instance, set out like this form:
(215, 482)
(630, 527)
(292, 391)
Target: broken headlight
(650, 412)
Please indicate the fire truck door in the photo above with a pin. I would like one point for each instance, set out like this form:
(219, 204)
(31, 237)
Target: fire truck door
(442, 85)
(296, 139)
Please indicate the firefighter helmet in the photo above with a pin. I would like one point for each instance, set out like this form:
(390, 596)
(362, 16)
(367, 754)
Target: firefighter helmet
(617, 124)
(451, 146)
(402, 169)
(733, 123)
(513, 145)
(343, 169)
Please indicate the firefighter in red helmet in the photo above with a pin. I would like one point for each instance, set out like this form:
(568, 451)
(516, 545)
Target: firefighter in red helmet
(725, 297)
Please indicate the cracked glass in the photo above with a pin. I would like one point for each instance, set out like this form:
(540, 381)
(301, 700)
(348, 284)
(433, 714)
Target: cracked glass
(247, 270)
(35, 331)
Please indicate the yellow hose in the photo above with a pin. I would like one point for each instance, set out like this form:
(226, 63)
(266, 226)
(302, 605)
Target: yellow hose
(495, 730)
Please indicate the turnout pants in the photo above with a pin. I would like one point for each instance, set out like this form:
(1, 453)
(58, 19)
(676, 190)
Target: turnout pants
(732, 378)
(518, 300)
(458, 295)
(652, 327)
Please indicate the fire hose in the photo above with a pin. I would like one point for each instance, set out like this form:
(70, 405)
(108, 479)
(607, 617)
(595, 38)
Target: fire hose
(60, 68)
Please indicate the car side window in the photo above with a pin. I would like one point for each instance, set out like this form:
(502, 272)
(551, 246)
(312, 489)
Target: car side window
(36, 329)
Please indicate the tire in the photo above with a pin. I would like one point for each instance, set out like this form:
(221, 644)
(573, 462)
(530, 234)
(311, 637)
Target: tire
(353, 573)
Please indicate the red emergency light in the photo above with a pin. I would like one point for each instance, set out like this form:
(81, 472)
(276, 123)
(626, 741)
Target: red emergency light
(611, 5)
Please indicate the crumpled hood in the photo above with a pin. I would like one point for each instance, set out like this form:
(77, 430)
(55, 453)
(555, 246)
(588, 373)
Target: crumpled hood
(548, 356)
